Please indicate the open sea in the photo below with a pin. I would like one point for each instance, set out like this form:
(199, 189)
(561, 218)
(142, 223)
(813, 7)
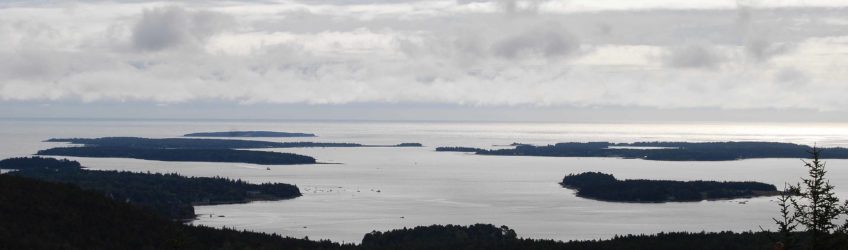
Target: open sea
(373, 188)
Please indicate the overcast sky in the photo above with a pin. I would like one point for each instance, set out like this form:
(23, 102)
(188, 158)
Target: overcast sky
(441, 60)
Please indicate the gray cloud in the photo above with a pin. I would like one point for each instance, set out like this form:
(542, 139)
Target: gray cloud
(694, 56)
(169, 27)
(547, 40)
(761, 49)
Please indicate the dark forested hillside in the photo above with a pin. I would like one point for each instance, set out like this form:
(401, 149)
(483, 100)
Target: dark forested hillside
(664, 151)
(198, 155)
(606, 187)
(41, 215)
(25, 163)
(485, 236)
(170, 195)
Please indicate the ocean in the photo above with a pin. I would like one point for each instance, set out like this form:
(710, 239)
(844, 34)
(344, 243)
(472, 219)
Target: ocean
(380, 188)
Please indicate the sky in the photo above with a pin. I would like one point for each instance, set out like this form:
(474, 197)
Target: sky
(535, 60)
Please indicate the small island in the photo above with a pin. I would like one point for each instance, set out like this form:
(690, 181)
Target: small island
(170, 195)
(663, 151)
(182, 154)
(248, 134)
(605, 187)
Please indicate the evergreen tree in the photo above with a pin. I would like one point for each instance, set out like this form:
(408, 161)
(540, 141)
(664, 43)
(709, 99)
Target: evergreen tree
(817, 206)
(788, 221)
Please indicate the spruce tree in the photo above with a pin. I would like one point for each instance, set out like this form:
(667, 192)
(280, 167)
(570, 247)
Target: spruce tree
(817, 206)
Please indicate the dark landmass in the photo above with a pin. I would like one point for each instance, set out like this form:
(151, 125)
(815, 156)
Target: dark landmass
(25, 163)
(248, 134)
(605, 187)
(197, 143)
(664, 151)
(182, 154)
(171, 195)
(194, 143)
(42, 215)
(459, 149)
(486, 236)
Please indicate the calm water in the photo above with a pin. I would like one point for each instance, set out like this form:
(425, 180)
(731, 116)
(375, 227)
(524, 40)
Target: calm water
(387, 188)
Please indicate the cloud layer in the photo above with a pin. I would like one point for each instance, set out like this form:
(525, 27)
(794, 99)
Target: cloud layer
(659, 54)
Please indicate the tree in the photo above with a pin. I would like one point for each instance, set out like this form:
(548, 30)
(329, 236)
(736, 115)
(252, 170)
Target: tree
(788, 221)
(820, 206)
(816, 207)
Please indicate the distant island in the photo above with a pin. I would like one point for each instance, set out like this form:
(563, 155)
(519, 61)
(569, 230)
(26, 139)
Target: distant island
(198, 143)
(605, 187)
(194, 143)
(248, 134)
(459, 149)
(194, 149)
(182, 154)
(171, 195)
(663, 151)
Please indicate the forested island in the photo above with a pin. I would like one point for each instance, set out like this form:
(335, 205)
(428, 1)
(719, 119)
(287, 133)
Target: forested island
(248, 134)
(171, 195)
(199, 143)
(194, 143)
(182, 154)
(664, 151)
(605, 187)
(42, 215)
(193, 149)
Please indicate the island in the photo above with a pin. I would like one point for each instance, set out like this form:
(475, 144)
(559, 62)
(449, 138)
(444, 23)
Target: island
(248, 134)
(194, 143)
(605, 187)
(171, 195)
(182, 154)
(198, 143)
(459, 149)
(663, 151)
(194, 149)
(26, 163)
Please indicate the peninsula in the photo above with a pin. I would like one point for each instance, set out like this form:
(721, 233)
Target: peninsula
(171, 195)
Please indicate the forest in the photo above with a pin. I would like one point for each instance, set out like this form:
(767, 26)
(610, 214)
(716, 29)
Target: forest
(248, 134)
(25, 163)
(664, 151)
(605, 187)
(183, 154)
(170, 195)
